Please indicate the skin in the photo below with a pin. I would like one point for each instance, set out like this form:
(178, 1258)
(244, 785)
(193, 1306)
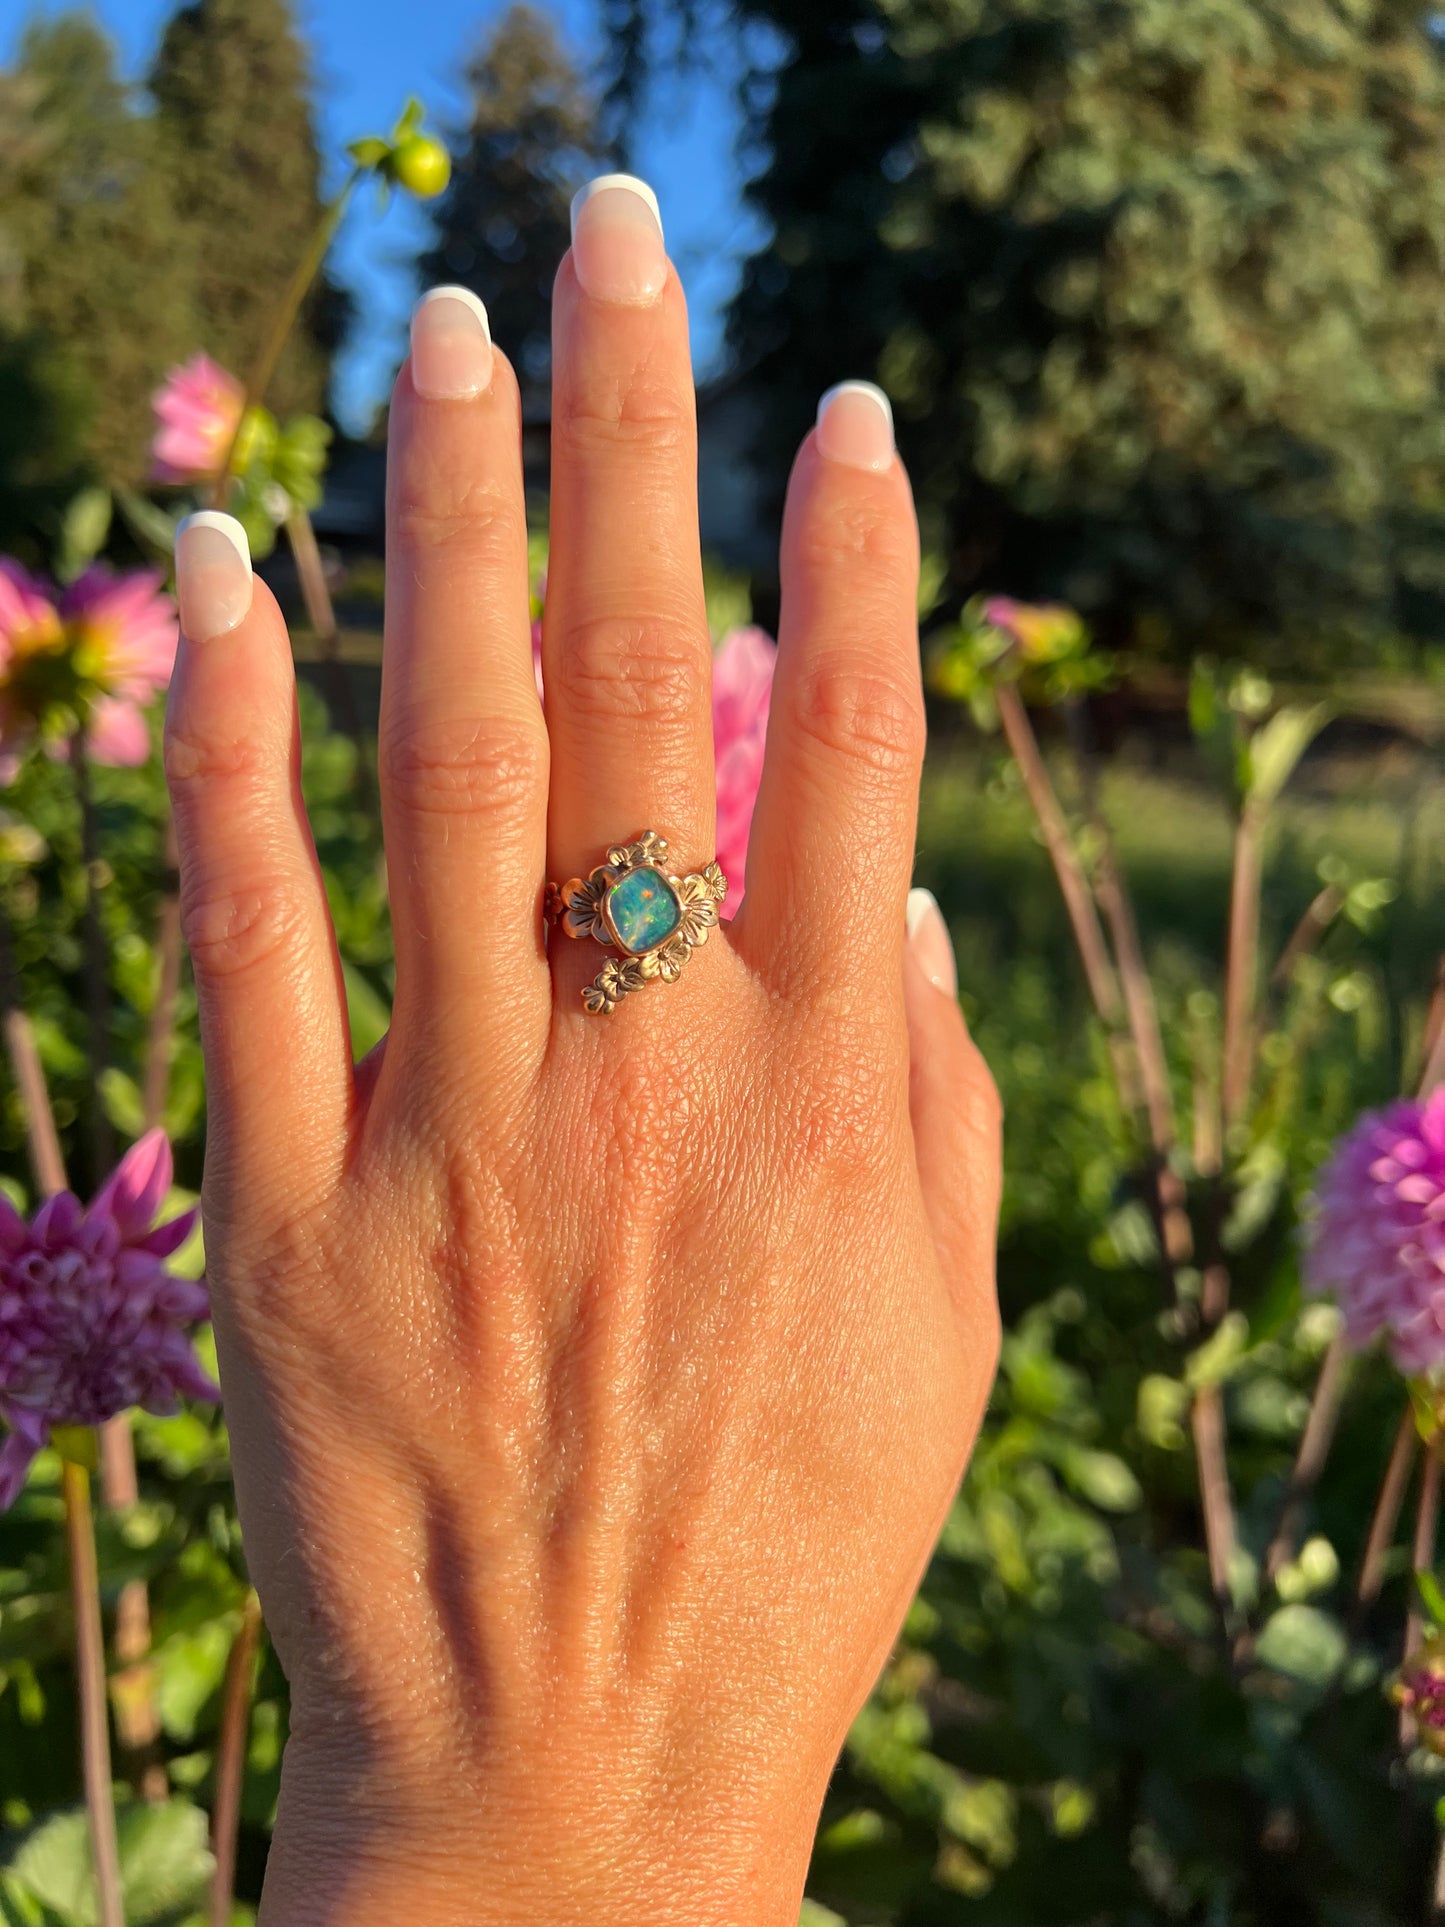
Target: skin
(597, 1385)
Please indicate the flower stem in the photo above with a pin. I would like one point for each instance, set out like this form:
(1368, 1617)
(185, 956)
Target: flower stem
(1314, 1449)
(231, 1760)
(90, 1669)
(1242, 965)
(46, 1160)
(1422, 1558)
(1385, 1516)
(161, 1037)
(282, 322)
(1099, 971)
(340, 694)
(97, 984)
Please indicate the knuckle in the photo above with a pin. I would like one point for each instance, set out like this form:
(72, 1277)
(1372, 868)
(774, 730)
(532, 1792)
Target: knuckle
(477, 515)
(864, 529)
(866, 716)
(235, 928)
(450, 765)
(198, 757)
(642, 409)
(644, 669)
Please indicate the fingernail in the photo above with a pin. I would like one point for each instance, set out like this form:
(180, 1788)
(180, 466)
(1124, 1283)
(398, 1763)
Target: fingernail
(855, 425)
(930, 942)
(617, 246)
(451, 345)
(213, 574)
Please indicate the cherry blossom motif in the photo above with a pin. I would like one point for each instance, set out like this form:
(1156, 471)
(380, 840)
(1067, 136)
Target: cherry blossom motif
(1376, 1243)
(91, 1321)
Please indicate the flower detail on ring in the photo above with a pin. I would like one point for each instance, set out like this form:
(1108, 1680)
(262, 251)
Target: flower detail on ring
(617, 977)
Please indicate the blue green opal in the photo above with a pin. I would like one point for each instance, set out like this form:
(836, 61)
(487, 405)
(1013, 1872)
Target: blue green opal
(643, 910)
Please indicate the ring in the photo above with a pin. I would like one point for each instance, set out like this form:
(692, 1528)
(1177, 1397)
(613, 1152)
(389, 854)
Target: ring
(628, 902)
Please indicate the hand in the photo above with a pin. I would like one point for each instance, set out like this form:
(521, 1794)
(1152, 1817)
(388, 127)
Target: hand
(597, 1384)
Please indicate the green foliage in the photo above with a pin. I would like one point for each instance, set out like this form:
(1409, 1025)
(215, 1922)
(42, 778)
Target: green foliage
(1153, 288)
(94, 294)
(504, 223)
(165, 1864)
(232, 92)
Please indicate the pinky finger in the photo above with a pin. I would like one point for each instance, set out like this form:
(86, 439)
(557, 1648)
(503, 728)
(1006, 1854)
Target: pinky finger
(273, 1021)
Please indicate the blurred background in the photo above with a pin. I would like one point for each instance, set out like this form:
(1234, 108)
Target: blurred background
(1157, 291)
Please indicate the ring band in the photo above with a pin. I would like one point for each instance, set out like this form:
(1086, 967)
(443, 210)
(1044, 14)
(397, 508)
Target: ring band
(630, 904)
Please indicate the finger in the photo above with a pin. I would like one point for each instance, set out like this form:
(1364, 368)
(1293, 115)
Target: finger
(626, 660)
(831, 849)
(463, 749)
(956, 1120)
(253, 909)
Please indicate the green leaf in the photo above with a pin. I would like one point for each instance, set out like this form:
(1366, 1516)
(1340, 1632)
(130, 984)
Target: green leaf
(154, 527)
(1275, 749)
(1218, 1356)
(83, 530)
(124, 1105)
(1432, 1598)
(369, 152)
(1306, 1644)
(1102, 1478)
(815, 1916)
(370, 1017)
(165, 1864)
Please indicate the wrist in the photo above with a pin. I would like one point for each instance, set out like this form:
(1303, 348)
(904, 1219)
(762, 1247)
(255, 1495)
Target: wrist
(490, 1856)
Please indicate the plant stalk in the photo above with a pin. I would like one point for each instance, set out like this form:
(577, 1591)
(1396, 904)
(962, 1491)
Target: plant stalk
(1386, 1515)
(1242, 965)
(90, 1670)
(1422, 1558)
(340, 693)
(161, 1036)
(1099, 971)
(1314, 1449)
(282, 322)
(231, 1760)
(97, 979)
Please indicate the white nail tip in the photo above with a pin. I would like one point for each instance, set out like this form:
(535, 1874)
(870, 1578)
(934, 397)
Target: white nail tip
(464, 295)
(629, 182)
(868, 388)
(226, 525)
(921, 903)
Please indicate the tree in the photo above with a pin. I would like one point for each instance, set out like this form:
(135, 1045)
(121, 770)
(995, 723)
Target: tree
(1155, 288)
(504, 223)
(94, 298)
(231, 86)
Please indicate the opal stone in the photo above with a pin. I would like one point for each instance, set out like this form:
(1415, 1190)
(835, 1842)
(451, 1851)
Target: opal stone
(643, 910)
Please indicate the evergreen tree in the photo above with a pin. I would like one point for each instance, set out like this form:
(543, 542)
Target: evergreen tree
(503, 223)
(1155, 288)
(94, 295)
(231, 86)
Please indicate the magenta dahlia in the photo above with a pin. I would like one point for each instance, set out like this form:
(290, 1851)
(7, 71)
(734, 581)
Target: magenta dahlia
(91, 1321)
(1376, 1241)
(197, 413)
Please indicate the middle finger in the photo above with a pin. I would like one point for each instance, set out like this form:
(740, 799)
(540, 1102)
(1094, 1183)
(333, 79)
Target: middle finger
(626, 658)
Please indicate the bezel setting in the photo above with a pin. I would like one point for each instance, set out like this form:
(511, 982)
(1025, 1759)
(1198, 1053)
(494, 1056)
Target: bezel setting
(583, 909)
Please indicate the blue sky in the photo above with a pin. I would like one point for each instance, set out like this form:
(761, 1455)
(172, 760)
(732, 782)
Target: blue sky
(370, 54)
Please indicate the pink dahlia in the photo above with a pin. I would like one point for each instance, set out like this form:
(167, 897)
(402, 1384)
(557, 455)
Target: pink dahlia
(197, 414)
(91, 1322)
(1377, 1239)
(123, 630)
(742, 692)
(102, 650)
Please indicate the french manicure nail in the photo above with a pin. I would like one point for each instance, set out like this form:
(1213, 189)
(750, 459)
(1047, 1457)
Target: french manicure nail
(930, 942)
(213, 574)
(855, 425)
(617, 245)
(451, 345)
